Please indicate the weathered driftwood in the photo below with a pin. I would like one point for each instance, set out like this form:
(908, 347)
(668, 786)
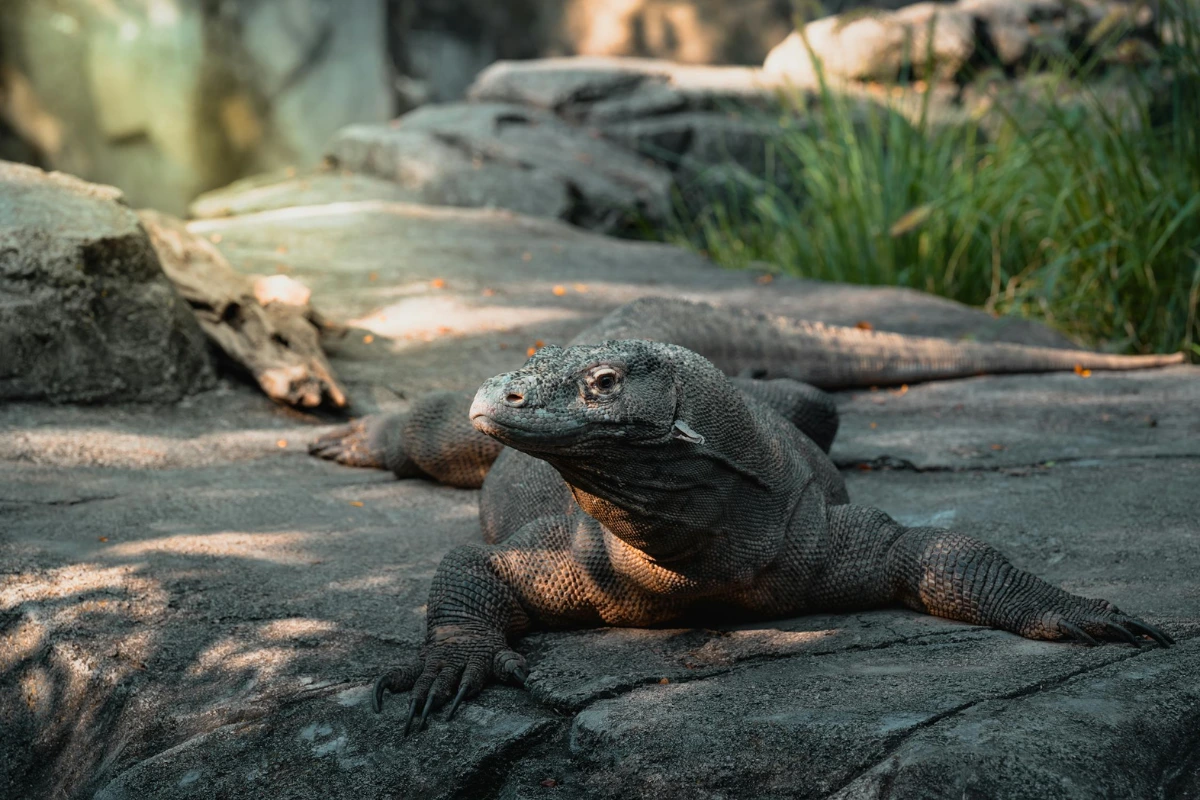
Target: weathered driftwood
(264, 324)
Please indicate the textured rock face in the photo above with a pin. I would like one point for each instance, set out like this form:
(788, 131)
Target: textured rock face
(508, 156)
(168, 98)
(190, 606)
(687, 118)
(86, 313)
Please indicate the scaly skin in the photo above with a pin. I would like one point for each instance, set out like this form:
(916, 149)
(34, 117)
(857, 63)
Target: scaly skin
(639, 485)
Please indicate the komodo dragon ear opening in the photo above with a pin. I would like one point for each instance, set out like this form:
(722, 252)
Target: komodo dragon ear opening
(681, 430)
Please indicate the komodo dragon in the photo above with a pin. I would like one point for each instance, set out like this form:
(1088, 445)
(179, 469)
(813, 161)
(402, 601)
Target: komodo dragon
(634, 483)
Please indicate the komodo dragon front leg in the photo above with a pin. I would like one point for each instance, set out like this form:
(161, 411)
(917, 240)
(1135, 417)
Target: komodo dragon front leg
(690, 496)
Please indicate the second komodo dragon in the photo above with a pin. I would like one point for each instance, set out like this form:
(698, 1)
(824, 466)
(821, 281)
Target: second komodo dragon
(627, 480)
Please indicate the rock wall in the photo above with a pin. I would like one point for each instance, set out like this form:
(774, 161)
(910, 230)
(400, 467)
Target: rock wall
(166, 98)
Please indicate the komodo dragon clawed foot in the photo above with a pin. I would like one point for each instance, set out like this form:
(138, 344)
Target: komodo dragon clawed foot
(362, 443)
(456, 662)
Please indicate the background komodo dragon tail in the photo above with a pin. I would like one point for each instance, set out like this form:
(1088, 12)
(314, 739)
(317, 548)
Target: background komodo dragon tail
(758, 345)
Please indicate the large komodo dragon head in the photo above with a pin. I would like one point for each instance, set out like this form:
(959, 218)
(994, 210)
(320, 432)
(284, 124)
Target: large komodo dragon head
(653, 439)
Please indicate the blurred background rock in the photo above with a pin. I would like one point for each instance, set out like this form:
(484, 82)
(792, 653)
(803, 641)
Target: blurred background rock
(168, 98)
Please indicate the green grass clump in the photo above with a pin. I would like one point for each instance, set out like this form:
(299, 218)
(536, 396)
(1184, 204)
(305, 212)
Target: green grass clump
(1060, 203)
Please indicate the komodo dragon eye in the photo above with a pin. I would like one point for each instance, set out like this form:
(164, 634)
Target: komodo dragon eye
(604, 380)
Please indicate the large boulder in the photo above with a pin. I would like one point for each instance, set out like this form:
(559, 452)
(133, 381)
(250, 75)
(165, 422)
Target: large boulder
(509, 156)
(86, 313)
(167, 99)
(688, 118)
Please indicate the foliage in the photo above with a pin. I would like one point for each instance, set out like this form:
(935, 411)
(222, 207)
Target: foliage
(1074, 198)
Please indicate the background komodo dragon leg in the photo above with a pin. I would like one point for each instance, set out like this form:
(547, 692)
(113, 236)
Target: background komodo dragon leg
(436, 439)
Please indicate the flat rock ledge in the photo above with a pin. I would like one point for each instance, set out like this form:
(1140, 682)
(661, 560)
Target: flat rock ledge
(190, 606)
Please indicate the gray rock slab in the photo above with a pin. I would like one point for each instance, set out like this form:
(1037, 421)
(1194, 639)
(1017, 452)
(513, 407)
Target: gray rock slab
(610, 88)
(1023, 422)
(510, 156)
(289, 188)
(449, 296)
(86, 313)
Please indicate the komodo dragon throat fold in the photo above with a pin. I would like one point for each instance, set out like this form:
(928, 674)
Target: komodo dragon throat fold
(632, 483)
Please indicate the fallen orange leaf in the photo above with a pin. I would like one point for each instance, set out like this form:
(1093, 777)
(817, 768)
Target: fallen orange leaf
(1081, 372)
(438, 283)
(356, 503)
(874, 425)
(102, 538)
(372, 276)
(488, 292)
(559, 291)
(863, 325)
(903, 390)
(281, 443)
(539, 344)
(368, 339)
(531, 351)
(765, 279)
(664, 681)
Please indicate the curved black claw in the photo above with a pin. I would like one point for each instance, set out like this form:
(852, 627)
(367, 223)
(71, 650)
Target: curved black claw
(425, 711)
(521, 675)
(1076, 632)
(1123, 633)
(412, 710)
(1146, 629)
(458, 698)
(377, 693)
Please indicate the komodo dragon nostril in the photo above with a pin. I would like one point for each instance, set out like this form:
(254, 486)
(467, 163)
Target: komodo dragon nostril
(514, 399)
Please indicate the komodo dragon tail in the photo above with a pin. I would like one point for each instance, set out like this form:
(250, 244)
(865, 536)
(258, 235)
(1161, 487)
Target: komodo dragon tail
(746, 343)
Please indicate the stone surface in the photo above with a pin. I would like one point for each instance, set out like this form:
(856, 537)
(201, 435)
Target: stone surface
(509, 156)
(473, 289)
(687, 118)
(86, 313)
(191, 606)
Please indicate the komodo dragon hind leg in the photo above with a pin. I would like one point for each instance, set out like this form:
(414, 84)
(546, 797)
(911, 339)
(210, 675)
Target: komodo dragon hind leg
(807, 407)
(951, 575)
(435, 439)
